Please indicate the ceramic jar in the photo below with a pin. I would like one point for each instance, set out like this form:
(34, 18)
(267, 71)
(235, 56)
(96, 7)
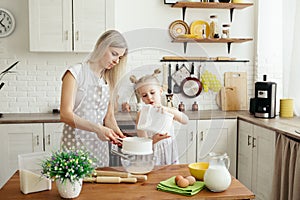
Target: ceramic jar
(226, 31)
(195, 106)
(181, 107)
(69, 190)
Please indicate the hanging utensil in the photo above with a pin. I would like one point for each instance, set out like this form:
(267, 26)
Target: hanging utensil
(191, 86)
(181, 74)
(165, 77)
(170, 80)
(199, 77)
(176, 87)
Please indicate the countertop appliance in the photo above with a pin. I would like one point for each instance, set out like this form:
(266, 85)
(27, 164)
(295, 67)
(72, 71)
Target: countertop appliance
(265, 99)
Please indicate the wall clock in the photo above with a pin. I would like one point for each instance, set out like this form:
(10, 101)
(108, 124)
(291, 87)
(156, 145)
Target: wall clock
(7, 23)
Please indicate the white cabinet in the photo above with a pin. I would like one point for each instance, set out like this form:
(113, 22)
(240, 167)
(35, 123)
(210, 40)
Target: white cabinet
(256, 151)
(17, 139)
(68, 25)
(186, 141)
(217, 135)
(52, 136)
(25, 138)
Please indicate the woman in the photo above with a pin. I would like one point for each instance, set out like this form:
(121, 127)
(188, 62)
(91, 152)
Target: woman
(86, 99)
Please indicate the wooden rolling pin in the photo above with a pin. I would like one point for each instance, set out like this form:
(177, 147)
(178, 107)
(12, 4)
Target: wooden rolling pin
(109, 179)
(120, 174)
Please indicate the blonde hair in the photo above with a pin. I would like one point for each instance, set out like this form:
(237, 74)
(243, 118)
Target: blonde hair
(145, 80)
(110, 38)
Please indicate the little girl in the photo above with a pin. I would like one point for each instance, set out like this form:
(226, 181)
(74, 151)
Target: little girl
(150, 91)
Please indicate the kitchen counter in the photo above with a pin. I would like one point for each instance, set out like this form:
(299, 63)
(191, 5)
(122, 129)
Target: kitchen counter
(14, 118)
(140, 190)
(287, 126)
(19, 118)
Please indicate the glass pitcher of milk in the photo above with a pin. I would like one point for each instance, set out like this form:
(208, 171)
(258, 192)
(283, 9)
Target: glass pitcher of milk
(217, 177)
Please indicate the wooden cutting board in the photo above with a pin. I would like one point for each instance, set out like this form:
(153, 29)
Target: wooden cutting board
(229, 100)
(238, 80)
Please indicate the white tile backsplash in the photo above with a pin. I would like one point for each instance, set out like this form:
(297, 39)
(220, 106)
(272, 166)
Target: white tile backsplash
(37, 85)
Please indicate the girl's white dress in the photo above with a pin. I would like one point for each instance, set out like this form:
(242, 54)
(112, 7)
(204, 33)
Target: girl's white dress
(165, 151)
(91, 102)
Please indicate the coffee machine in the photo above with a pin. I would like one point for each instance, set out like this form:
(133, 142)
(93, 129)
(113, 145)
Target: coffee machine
(264, 103)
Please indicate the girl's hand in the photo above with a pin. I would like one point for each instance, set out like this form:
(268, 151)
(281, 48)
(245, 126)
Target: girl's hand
(178, 116)
(160, 108)
(158, 137)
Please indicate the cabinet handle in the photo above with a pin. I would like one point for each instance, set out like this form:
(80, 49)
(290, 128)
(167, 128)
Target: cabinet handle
(253, 142)
(201, 136)
(49, 139)
(249, 140)
(77, 35)
(37, 140)
(67, 35)
(192, 136)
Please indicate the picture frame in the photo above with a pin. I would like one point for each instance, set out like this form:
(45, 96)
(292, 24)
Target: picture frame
(170, 1)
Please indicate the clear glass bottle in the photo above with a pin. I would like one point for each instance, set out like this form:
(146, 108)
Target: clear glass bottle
(213, 27)
(226, 31)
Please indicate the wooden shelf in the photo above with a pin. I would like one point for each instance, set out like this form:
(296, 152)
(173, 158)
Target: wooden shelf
(210, 5)
(216, 5)
(199, 59)
(208, 40)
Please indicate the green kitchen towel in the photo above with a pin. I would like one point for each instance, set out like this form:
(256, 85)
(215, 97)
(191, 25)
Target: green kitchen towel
(169, 185)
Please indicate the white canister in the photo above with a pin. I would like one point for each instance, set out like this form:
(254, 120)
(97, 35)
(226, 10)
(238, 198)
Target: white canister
(31, 179)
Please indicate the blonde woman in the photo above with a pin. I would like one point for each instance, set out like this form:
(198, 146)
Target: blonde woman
(150, 91)
(86, 99)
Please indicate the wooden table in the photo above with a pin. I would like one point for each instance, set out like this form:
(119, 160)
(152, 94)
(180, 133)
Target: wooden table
(140, 190)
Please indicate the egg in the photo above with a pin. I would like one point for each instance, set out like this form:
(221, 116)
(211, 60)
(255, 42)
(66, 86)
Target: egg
(191, 180)
(183, 182)
(177, 178)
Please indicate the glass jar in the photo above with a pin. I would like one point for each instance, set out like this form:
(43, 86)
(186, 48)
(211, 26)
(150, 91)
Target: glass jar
(213, 27)
(195, 106)
(181, 107)
(226, 31)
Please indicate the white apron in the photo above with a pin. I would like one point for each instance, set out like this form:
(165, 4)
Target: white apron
(91, 103)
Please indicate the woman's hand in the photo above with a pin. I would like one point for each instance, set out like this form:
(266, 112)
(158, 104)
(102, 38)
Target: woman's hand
(107, 134)
(158, 137)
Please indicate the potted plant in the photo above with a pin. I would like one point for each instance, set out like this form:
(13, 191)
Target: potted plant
(68, 168)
